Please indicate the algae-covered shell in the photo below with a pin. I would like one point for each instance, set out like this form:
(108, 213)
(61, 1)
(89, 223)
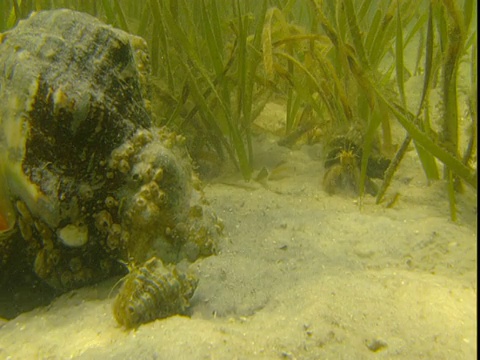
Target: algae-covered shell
(72, 90)
(153, 291)
(71, 93)
(83, 172)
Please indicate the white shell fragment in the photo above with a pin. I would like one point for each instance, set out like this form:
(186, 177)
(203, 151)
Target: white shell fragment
(73, 235)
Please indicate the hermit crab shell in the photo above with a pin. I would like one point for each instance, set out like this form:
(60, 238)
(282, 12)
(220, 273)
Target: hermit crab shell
(153, 291)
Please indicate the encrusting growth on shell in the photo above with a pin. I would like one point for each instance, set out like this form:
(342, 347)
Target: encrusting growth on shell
(153, 291)
(87, 182)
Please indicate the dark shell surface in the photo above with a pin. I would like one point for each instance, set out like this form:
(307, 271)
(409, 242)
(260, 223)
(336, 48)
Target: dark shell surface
(73, 94)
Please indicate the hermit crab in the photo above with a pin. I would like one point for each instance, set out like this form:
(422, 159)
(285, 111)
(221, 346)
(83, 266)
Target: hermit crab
(87, 182)
(342, 167)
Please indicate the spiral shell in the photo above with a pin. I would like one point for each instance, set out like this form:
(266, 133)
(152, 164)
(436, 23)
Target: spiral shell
(153, 291)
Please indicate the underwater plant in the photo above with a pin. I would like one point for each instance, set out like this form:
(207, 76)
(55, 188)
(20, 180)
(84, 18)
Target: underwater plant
(360, 52)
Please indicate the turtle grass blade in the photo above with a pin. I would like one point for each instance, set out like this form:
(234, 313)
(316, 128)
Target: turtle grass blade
(144, 21)
(453, 52)
(472, 107)
(267, 43)
(109, 13)
(159, 43)
(406, 119)
(392, 168)
(304, 91)
(224, 124)
(211, 28)
(428, 162)
(364, 8)
(373, 124)
(429, 165)
(206, 112)
(244, 100)
(468, 10)
(5, 9)
(373, 30)
(14, 15)
(120, 16)
(379, 42)
(455, 42)
(428, 61)
(420, 23)
(251, 63)
(355, 32)
(399, 58)
(293, 105)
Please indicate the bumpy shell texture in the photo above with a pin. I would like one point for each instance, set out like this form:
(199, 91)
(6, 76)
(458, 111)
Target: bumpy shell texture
(86, 180)
(153, 291)
(72, 93)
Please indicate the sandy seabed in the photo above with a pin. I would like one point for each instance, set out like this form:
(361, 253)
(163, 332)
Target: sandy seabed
(300, 274)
